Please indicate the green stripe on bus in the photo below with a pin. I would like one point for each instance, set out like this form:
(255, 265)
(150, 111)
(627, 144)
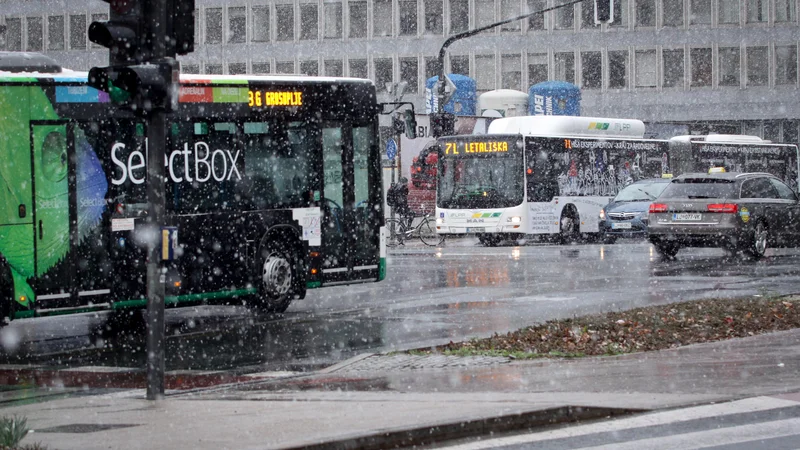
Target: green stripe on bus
(230, 95)
(313, 284)
(382, 269)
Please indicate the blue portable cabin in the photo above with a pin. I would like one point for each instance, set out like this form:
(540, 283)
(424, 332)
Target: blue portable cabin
(463, 102)
(554, 98)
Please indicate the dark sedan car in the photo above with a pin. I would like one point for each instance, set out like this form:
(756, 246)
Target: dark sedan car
(740, 212)
(626, 214)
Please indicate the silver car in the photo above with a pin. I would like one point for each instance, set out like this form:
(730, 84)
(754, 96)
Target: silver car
(740, 212)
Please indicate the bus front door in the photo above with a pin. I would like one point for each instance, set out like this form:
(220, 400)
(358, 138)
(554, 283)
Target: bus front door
(349, 231)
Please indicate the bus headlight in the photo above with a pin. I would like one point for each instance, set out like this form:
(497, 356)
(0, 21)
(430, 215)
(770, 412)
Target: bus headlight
(515, 219)
(439, 220)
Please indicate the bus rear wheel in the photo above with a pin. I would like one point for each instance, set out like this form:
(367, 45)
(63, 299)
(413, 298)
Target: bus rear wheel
(278, 278)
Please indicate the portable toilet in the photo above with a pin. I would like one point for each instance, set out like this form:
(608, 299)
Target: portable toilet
(503, 103)
(554, 98)
(463, 101)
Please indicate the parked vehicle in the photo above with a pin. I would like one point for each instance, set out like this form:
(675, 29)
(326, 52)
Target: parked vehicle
(740, 212)
(626, 215)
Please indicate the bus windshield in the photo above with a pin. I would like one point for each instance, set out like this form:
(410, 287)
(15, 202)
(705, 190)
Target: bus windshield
(481, 182)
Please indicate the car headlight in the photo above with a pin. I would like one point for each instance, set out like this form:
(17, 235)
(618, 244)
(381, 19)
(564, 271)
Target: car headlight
(602, 214)
(515, 219)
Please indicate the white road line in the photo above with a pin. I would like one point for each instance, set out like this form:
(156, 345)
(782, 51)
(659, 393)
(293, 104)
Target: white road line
(658, 418)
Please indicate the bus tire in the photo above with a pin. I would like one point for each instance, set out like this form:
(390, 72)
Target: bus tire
(279, 279)
(489, 240)
(569, 225)
(6, 293)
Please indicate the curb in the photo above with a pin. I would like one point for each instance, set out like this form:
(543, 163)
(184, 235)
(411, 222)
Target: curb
(436, 434)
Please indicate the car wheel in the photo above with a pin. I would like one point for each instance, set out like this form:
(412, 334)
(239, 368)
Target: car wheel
(608, 239)
(758, 242)
(667, 249)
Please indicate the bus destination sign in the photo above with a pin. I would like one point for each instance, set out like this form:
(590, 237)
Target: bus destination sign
(474, 147)
(258, 98)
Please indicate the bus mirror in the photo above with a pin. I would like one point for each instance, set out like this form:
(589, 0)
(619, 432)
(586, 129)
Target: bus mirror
(411, 124)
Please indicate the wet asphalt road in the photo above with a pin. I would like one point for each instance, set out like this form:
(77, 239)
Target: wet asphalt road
(431, 296)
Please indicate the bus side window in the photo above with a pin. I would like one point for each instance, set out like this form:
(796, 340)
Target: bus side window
(542, 184)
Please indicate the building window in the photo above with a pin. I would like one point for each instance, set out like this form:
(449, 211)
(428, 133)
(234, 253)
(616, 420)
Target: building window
(310, 68)
(213, 25)
(101, 17)
(214, 69)
(284, 67)
(537, 68)
(35, 34)
(358, 19)
(383, 73)
(728, 11)
(334, 68)
(408, 17)
(591, 70)
(565, 17)
(485, 72)
(757, 11)
(260, 29)
(309, 20)
(196, 26)
(261, 68)
(536, 21)
(409, 72)
(790, 133)
(700, 59)
(564, 67)
(189, 68)
(620, 14)
(459, 16)
(77, 32)
(618, 69)
(509, 9)
(459, 65)
(587, 16)
(432, 67)
(358, 68)
(237, 68)
(332, 11)
(673, 68)
(645, 13)
(13, 34)
(237, 25)
(673, 13)
(511, 72)
(382, 18)
(699, 12)
(284, 15)
(646, 64)
(729, 66)
(785, 64)
(785, 11)
(757, 66)
(434, 17)
(55, 33)
(484, 13)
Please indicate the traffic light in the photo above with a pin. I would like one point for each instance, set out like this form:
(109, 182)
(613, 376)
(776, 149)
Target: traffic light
(603, 11)
(180, 29)
(443, 124)
(141, 87)
(123, 33)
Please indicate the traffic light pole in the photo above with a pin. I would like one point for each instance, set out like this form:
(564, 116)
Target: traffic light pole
(157, 139)
(440, 93)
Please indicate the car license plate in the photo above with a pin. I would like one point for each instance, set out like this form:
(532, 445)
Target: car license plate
(686, 217)
(621, 226)
(476, 230)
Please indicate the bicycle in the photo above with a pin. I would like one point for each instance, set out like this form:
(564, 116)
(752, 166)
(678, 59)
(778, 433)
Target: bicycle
(399, 231)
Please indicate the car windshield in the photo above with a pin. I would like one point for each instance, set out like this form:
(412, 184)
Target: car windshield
(700, 188)
(641, 192)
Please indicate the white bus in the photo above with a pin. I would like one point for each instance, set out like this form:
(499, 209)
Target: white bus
(736, 153)
(540, 175)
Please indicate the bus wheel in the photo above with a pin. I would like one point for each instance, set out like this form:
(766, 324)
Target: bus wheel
(278, 278)
(6, 292)
(488, 240)
(570, 226)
